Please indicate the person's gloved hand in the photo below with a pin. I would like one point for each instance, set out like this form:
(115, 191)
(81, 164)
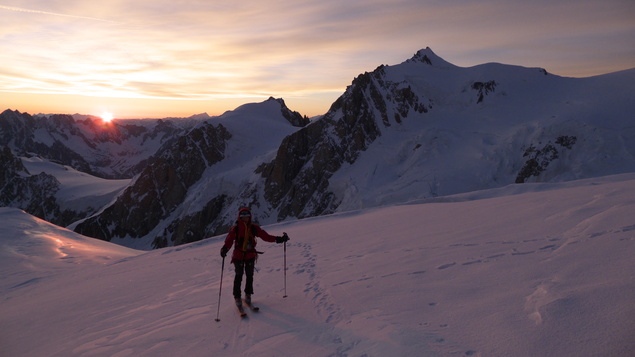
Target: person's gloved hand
(282, 239)
(223, 252)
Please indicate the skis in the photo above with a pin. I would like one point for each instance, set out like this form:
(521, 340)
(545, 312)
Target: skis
(241, 309)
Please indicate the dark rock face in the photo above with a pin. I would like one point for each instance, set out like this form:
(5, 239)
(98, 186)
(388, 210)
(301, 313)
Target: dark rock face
(192, 227)
(11, 167)
(32, 193)
(483, 89)
(297, 180)
(539, 159)
(160, 187)
(16, 129)
(422, 57)
(293, 117)
(290, 181)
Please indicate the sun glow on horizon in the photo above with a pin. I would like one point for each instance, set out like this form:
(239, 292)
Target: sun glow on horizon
(107, 117)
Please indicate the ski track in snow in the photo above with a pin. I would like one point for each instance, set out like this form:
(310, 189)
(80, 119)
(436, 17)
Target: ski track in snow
(322, 302)
(526, 247)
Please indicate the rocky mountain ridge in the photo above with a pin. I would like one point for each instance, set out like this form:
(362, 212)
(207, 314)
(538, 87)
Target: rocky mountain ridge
(109, 150)
(424, 126)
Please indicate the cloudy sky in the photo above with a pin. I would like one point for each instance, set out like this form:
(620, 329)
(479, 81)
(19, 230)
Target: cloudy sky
(159, 58)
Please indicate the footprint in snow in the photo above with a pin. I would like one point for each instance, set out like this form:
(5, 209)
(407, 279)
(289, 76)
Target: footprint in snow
(445, 266)
(473, 262)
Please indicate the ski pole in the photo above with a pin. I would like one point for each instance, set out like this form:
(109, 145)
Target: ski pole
(285, 264)
(222, 270)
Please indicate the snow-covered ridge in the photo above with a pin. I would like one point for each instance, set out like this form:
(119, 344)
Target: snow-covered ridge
(78, 190)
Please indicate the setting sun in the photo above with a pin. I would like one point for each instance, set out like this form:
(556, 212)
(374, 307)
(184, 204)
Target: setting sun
(106, 116)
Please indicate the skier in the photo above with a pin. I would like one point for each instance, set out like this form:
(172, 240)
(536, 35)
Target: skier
(243, 237)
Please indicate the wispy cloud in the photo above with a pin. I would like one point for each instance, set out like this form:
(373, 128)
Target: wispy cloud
(210, 51)
(19, 9)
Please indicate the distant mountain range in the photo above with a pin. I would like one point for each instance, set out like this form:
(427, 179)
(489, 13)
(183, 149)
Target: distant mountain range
(422, 128)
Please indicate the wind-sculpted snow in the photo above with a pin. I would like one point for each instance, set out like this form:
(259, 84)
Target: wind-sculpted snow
(524, 270)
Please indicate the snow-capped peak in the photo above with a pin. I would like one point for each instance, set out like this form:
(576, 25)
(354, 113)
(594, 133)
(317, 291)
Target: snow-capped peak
(427, 56)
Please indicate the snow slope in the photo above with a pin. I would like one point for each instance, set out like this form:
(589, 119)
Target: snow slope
(542, 269)
(78, 191)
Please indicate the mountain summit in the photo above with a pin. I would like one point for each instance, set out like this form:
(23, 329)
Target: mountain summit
(428, 57)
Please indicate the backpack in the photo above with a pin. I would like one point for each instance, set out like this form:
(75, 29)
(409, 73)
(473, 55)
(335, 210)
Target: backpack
(239, 240)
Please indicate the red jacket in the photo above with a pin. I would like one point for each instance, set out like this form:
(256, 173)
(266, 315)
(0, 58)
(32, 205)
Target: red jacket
(246, 249)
